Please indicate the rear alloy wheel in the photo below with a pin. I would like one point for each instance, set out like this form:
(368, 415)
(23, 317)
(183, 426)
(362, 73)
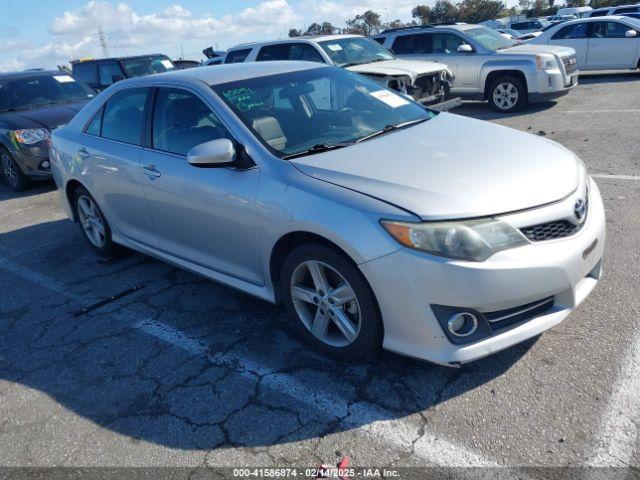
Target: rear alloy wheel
(95, 228)
(507, 94)
(14, 177)
(333, 304)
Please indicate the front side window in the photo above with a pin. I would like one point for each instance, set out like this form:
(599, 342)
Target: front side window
(295, 112)
(304, 52)
(609, 30)
(39, 90)
(109, 73)
(446, 43)
(420, 43)
(148, 65)
(237, 56)
(578, 30)
(489, 38)
(123, 116)
(181, 121)
(345, 52)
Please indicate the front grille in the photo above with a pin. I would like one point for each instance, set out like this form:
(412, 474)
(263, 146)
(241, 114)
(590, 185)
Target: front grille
(570, 64)
(504, 318)
(427, 86)
(550, 230)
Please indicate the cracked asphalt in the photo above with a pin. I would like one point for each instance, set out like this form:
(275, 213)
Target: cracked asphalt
(187, 372)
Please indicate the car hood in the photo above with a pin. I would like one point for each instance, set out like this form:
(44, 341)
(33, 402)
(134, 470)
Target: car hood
(533, 48)
(451, 167)
(398, 67)
(48, 117)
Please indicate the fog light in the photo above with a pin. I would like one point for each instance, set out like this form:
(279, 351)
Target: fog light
(44, 165)
(462, 324)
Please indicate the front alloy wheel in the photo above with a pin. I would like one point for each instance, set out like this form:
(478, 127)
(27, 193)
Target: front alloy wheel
(331, 301)
(12, 174)
(507, 94)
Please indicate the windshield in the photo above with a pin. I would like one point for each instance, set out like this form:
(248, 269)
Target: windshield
(31, 92)
(298, 111)
(354, 51)
(489, 38)
(140, 66)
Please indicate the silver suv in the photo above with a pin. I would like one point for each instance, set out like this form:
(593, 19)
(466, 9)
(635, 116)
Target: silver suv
(488, 66)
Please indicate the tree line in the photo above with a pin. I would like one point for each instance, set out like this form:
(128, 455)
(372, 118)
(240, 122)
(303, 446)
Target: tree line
(444, 11)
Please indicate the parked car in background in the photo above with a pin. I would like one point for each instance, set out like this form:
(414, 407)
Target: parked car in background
(101, 73)
(528, 36)
(427, 82)
(181, 64)
(508, 33)
(578, 11)
(632, 15)
(432, 235)
(33, 103)
(213, 61)
(617, 10)
(601, 43)
(528, 26)
(562, 18)
(488, 66)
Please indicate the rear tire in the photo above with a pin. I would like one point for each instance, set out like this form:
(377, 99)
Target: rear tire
(507, 94)
(341, 318)
(93, 224)
(11, 173)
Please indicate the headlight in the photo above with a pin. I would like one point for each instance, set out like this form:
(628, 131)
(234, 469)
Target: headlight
(474, 240)
(546, 62)
(31, 135)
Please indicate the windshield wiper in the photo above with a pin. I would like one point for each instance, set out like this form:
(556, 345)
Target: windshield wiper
(318, 148)
(391, 128)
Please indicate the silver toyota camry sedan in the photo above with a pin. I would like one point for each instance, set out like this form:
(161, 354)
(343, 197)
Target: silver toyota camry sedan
(376, 222)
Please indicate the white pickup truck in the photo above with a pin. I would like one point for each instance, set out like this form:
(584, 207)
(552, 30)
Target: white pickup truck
(488, 66)
(429, 83)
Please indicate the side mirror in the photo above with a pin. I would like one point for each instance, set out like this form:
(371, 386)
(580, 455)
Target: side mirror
(630, 34)
(215, 153)
(465, 48)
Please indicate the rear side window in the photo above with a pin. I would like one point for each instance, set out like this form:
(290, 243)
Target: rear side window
(181, 121)
(406, 44)
(86, 72)
(599, 13)
(123, 116)
(95, 125)
(237, 56)
(273, 52)
(619, 11)
(380, 40)
(578, 30)
(110, 73)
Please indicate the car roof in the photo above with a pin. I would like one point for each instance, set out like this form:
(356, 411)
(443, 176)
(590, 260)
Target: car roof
(115, 59)
(30, 73)
(228, 72)
(304, 39)
(594, 19)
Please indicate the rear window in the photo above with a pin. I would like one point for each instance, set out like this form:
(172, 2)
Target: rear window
(237, 56)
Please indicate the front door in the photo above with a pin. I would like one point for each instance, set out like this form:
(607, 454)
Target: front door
(609, 47)
(206, 216)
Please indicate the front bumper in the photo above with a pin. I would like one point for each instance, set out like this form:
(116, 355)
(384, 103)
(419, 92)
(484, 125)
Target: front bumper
(30, 157)
(552, 84)
(407, 283)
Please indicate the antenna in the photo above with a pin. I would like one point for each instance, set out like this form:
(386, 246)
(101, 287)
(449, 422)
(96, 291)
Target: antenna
(103, 42)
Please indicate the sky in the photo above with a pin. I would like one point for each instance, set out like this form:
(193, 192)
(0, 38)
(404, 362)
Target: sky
(46, 33)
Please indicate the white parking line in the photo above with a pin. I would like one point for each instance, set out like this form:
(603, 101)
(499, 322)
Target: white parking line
(618, 432)
(399, 432)
(616, 177)
(623, 110)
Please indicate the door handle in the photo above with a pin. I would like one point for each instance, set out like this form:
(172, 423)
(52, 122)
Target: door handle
(151, 171)
(83, 153)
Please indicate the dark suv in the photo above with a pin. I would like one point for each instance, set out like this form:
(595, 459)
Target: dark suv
(33, 103)
(99, 74)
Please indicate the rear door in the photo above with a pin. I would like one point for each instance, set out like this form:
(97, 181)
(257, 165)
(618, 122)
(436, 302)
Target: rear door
(609, 47)
(111, 152)
(576, 37)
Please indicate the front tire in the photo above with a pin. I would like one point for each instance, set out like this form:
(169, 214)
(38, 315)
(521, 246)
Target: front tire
(11, 172)
(93, 224)
(331, 302)
(507, 94)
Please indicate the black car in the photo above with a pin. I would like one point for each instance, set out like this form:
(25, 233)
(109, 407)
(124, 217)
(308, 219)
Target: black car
(181, 64)
(33, 103)
(101, 73)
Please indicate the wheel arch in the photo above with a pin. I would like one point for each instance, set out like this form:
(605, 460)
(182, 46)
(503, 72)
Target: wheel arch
(70, 190)
(493, 75)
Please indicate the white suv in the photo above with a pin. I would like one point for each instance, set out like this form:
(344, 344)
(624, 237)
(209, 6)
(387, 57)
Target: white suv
(487, 65)
(429, 83)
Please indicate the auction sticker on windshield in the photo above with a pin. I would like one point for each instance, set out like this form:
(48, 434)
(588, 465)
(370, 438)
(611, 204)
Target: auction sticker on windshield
(389, 98)
(167, 64)
(63, 78)
(334, 47)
